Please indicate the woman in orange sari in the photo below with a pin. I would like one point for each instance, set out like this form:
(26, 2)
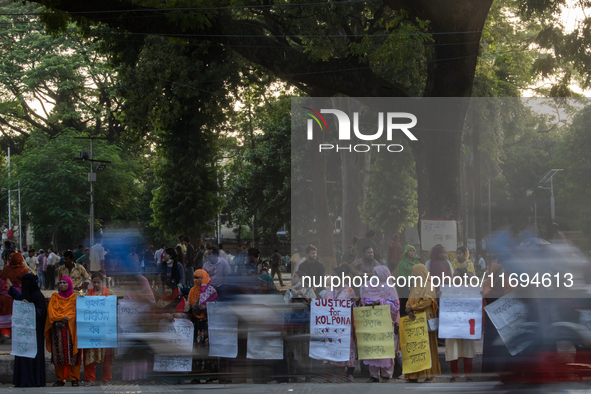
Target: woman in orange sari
(60, 333)
(201, 293)
(98, 356)
(14, 271)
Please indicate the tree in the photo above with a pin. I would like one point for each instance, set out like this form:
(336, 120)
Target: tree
(170, 102)
(54, 187)
(52, 83)
(261, 184)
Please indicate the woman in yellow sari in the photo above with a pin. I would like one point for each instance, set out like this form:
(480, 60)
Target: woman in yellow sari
(423, 299)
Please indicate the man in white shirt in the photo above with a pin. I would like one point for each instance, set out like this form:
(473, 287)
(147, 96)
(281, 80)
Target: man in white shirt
(52, 260)
(32, 261)
(97, 258)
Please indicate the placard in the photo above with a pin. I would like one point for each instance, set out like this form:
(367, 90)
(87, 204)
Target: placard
(96, 322)
(414, 341)
(264, 345)
(443, 232)
(330, 329)
(131, 322)
(178, 335)
(507, 314)
(24, 324)
(460, 316)
(223, 330)
(374, 332)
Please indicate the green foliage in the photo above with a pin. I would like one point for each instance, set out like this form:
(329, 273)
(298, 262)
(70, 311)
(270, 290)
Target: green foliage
(573, 156)
(54, 187)
(392, 193)
(52, 83)
(170, 103)
(259, 180)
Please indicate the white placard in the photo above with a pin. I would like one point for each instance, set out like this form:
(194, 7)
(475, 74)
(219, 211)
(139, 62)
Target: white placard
(460, 313)
(24, 334)
(131, 322)
(223, 330)
(178, 334)
(443, 232)
(507, 314)
(264, 345)
(330, 329)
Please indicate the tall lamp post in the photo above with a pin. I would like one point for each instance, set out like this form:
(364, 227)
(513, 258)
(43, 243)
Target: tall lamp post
(84, 156)
(549, 177)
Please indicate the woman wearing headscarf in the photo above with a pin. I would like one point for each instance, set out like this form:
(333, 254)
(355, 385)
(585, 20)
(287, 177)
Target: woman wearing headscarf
(492, 291)
(382, 294)
(142, 291)
(13, 272)
(171, 301)
(344, 293)
(201, 293)
(438, 264)
(180, 258)
(98, 356)
(60, 333)
(422, 298)
(30, 372)
(267, 285)
(409, 260)
(462, 260)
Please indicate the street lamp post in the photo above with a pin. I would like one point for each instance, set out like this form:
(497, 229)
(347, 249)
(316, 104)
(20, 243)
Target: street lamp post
(91, 178)
(549, 177)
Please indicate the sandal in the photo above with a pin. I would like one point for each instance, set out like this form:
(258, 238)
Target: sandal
(453, 380)
(59, 383)
(385, 380)
(373, 380)
(429, 380)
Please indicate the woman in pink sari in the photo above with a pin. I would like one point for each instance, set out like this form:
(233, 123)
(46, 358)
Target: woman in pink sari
(382, 294)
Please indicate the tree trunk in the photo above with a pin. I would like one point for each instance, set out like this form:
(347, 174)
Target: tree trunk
(324, 226)
(354, 175)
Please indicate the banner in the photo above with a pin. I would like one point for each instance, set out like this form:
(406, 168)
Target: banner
(223, 330)
(178, 334)
(330, 329)
(24, 335)
(507, 314)
(374, 332)
(460, 313)
(442, 232)
(131, 322)
(96, 321)
(414, 344)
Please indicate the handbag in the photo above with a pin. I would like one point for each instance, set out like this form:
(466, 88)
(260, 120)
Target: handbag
(433, 323)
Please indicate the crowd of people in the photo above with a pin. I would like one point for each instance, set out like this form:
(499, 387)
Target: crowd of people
(179, 282)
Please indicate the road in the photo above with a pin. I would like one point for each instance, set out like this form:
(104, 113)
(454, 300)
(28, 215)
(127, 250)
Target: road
(312, 388)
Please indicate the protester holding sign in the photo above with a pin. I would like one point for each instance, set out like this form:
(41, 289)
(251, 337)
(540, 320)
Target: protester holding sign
(60, 332)
(409, 260)
(171, 301)
(381, 294)
(422, 298)
(462, 260)
(492, 290)
(345, 293)
(30, 372)
(456, 348)
(98, 356)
